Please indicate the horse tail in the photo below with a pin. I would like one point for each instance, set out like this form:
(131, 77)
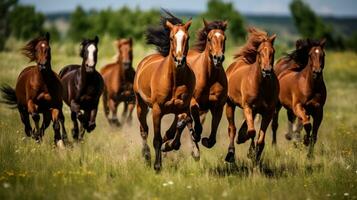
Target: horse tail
(9, 96)
(105, 102)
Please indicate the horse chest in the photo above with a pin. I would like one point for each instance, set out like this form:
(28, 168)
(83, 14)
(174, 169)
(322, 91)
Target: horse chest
(180, 97)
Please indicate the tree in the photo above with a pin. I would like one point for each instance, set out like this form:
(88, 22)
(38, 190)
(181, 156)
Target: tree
(219, 10)
(80, 25)
(310, 25)
(25, 22)
(5, 7)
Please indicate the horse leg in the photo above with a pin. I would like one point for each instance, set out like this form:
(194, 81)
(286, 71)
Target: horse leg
(157, 141)
(230, 108)
(56, 128)
(92, 117)
(291, 119)
(84, 124)
(301, 113)
(25, 120)
(131, 109)
(46, 121)
(113, 105)
(203, 117)
(75, 107)
(64, 132)
(170, 133)
(195, 111)
(194, 144)
(266, 118)
(317, 118)
(142, 111)
(125, 109)
(175, 143)
(216, 112)
(32, 109)
(105, 104)
(249, 121)
(275, 122)
(75, 129)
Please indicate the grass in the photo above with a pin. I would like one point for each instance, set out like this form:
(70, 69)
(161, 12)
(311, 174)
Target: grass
(108, 165)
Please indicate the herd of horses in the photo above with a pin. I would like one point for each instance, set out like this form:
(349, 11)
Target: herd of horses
(185, 82)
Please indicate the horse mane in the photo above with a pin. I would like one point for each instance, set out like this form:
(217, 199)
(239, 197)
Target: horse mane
(202, 34)
(85, 42)
(301, 54)
(29, 50)
(160, 35)
(249, 51)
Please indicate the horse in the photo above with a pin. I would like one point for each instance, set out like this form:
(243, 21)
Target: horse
(38, 91)
(165, 83)
(206, 61)
(302, 90)
(253, 86)
(118, 78)
(83, 86)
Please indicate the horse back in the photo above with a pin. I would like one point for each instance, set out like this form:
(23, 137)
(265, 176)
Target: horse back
(65, 70)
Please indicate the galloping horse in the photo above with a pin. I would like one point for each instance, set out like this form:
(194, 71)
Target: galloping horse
(165, 83)
(38, 90)
(253, 86)
(302, 89)
(83, 86)
(206, 60)
(118, 78)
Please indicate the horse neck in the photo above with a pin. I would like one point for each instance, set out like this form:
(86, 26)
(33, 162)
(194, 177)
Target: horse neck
(208, 67)
(46, 75)
(307, 74)
(256, 73)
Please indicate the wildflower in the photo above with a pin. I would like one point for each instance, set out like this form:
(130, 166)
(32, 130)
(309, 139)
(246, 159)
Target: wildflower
(170, 182)
(189, 187)
(6, 185)
(164, 184)
(346, 194)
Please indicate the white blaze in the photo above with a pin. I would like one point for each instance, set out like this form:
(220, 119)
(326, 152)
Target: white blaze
(179, 36)
(217, 34)
(90, 60)
(317, 51)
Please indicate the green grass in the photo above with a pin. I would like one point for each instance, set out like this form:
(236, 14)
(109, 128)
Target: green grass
(108, 165)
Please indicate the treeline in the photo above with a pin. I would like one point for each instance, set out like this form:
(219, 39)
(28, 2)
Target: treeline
(24, 22)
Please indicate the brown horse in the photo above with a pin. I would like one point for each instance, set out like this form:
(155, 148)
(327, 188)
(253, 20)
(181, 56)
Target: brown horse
(118, 78)
(302, 89)
(206, 60)
(165, 83)
(253, 86)
(83, 86)
(38, 90)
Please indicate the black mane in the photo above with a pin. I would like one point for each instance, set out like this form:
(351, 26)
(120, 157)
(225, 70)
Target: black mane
(86, 42)
(301, 54)
(160, 35)
(202, 34)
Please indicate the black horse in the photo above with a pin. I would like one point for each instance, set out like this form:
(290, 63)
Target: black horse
(83, 86)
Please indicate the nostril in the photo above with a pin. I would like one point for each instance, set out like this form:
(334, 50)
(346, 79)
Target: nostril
(214, 57)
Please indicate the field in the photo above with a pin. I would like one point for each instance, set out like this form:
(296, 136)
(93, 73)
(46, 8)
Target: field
(108, 165)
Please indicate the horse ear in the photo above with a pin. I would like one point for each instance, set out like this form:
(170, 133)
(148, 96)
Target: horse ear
(225, 23)
(169, 25)
(47, 36)
(323, 42)
(96, 39)
(188, 24)
(205, 22)
(272, 38)
(131, 40)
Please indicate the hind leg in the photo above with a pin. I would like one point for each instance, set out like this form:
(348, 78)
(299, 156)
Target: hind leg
(113, 106)
(230, 108)
(56, 128)
(26, 121)
(75, 129)
(142, 111)
(291, 119)
(266, 118)
(46, 122)
(216, 112)
(32, 109)
(64, 132)
(131, 109)
(248, 124)
(170, 133)
(275, 123)
(301, 113)
(317, 118)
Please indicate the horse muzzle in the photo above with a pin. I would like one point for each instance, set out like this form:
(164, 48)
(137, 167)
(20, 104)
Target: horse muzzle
(179, 62)
(316, 73)
(217, 60)
(89, 68)
(127, 65)
(267, 72)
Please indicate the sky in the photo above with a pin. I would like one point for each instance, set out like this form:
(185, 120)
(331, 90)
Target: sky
(275, 7)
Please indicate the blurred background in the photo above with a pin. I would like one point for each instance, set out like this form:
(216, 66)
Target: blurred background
(71, 20)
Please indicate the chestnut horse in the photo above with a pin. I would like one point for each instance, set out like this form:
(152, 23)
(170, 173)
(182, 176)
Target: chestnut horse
(38, 90)
(206, 60)
(165, 83)
(118, 78)
(302, 89)
(253, 86)
(83, 86)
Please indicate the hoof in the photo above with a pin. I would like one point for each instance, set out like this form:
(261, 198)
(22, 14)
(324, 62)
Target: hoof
(195, 152)
(242, 138)
(306, 140)
(80, 117)
(60, 144)
(170, 145)
(288, 136)
(208, 143)
(157, 167)
(91, 127)
(230, 157)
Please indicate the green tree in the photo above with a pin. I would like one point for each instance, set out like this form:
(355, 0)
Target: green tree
(25, 22)
(5, 7)
(80, 24)
(219, 10)
(310, 25)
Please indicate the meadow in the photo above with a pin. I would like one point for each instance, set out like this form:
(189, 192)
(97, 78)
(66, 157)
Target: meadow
(108, 164)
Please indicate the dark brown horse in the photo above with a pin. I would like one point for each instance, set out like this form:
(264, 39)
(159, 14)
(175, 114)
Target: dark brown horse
(302, 89)
(206, 60)
(253, 86)
(165, 83)
(83, 86)
(118, 78)
(38, 90)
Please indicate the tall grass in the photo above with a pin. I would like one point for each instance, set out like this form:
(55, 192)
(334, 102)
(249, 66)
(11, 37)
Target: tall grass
(108, 165)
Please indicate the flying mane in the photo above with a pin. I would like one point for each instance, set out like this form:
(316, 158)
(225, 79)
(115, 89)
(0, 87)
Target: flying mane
(249, 51)
(202, 34)
(301, 54)
(29, 50)
(160, 35)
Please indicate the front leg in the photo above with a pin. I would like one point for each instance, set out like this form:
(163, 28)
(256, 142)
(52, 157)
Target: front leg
(300, 111)
(317, 119)
(195, 111)
(216, 112)
(76, 108)
(249, 122)
(157, 141)
(230, 108)
(92, 118)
